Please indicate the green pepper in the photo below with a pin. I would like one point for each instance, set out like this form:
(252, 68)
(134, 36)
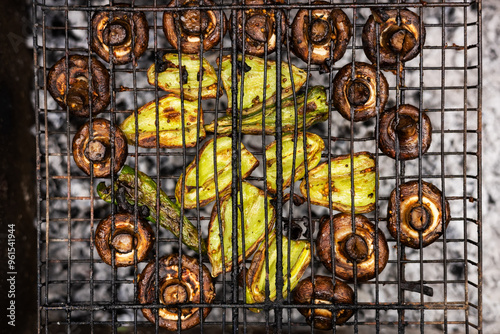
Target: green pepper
(169, 120)
(169, 213)
(254, 82)
(340, 183)
(254, 214)
(315, 145)
(256, 278)
(205, 173)
(170, 74)
(316, 111)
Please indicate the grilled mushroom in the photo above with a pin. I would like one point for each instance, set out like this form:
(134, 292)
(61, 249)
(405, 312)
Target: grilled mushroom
(124, 34)
(351, 247)
(407, 130)
(400, 34)
(179, 282)
(323, 291)
(260, 28)
(193, 25)
(127, 239)
(76, 95)
(94, 147)
(359, 91)
(318, 31)
(420, 214)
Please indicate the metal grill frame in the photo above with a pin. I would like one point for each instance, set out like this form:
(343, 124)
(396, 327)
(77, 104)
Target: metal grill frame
(230, 302)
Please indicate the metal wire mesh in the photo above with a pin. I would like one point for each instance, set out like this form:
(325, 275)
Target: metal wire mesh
(434, 287)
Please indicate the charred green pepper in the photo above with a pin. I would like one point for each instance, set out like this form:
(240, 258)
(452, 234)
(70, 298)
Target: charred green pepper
(253, 90)
(254, 214)
(340, 183)
(170, 75)
(169, 213)
(316, 111)
(169, 121)
(256, 278)
(314, 145)
(205, 173)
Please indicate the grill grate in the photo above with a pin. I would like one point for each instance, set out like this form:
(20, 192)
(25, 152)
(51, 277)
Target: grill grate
(437, 287)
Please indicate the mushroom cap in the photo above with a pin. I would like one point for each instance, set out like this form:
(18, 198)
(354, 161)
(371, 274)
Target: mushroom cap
(176, 289)
(417, 217)
(360, 91)
(125, 239)
(190, 42)
(95, 148)
(323, 291)
(349, 244)
(409, 141)
(328, 25)
(257, 21)
(412, 36)
(78, 71)
(127, 32)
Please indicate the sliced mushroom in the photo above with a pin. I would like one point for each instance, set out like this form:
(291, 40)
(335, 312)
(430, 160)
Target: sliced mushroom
(124, 34)
(75, 96)
(324, 291)
(407, 130)
(359, 91)
(318, 31)
(259, 28)
(179, 282)
(193, 26)
(421, 214)
(400, 33)
(127, 238)
(94, 148)
(352, 247)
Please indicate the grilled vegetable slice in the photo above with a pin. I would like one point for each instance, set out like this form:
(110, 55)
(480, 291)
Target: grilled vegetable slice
(205, 172)
(170, 76)
(254, 213)
(170, 125)
(316, 111)
(254, 82)
(340, 183)
(314, 145)
(256, 278)
(169, 213)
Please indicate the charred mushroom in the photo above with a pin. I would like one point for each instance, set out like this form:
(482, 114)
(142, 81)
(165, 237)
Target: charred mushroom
(323, 291)
(421, 214)
(318, 31)
(407, 130)
(179, 282)
(351, 247)
(75, 96)
(400, 34)
(259, 28)
(123, 34)
(94, 148)
(126, 238)
(193, 26)
(359, 91)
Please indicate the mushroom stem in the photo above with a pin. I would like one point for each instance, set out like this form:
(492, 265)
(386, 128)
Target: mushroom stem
(123, 242)
(96, 151)
(406, 128)
(358, 93)
(319, 31)
(356, 248)
(258, 28)
(117, 33)
(78, 95)
(194, 22)
(419, 218)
